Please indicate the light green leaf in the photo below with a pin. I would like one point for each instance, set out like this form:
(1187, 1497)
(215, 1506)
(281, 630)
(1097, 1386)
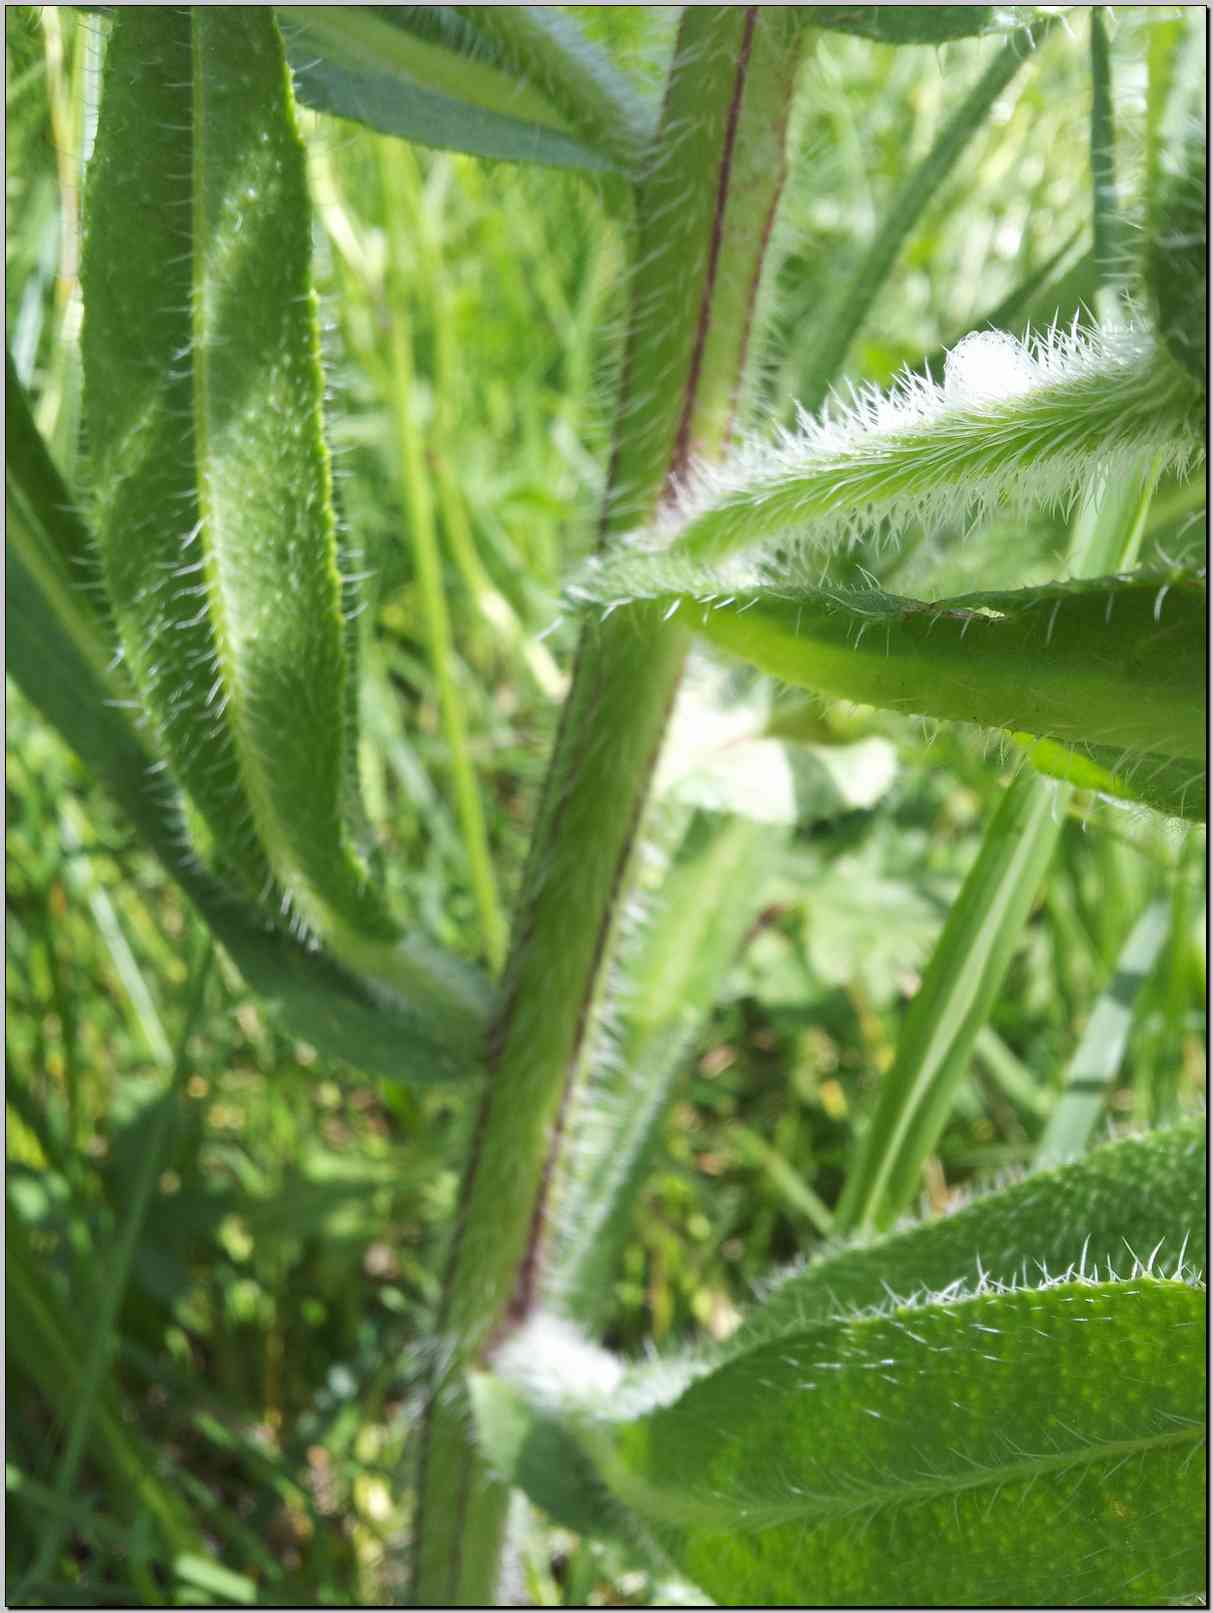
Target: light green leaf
(919, 25)
(1114, 662)
(1010, 1448)
(1097, 1058)
(429, 74)
(958, 989)
(1177, 788)
(1137, 1202)
(1011, 426)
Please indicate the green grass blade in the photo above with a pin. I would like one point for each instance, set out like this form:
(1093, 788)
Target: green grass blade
(102, 1341)
(864, 283)
(419, 504)
(989, 1451)
(959, 986)
(1139, 1201)
(428, 79)
(1099, 1053)
(46, 1346)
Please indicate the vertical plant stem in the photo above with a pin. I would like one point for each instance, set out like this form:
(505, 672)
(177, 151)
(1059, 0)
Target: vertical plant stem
(704, 207)
(415, 476)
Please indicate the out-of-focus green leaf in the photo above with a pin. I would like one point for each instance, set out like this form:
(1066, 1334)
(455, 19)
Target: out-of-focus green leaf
(1177, 788)
(426, 74)
(1098, 1055)
(958, 988)
(919, 25)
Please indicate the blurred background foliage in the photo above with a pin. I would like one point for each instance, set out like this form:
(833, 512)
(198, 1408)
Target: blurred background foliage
(223, 1250)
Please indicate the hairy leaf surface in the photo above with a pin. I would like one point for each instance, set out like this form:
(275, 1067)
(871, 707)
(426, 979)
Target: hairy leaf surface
(1137, 1201)
(203, 395)
(1040, 1445)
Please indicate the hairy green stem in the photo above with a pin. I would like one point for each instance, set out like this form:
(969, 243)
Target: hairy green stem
(703, 212)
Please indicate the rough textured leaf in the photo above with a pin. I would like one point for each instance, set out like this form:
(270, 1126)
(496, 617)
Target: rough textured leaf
(1114, 662)
(1036, 1446)
(58, 662)
(436, 1035)
(1012, 425)
(203, 395)
(1137, 1201)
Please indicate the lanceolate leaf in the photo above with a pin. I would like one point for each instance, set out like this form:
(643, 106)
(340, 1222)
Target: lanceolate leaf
(427, 74)
(1010, 1448)
(203, 399)
(1117, 663)
(1010, 425)
(432, 1033)
(1130, 1204)
(58, 653)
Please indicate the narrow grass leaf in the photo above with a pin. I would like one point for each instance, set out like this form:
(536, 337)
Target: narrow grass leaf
(961, 981)
(416, 73)
(103, 1340)
(1098, 1056)
(900, 25)
(1137, 1203)
(1010, 1448)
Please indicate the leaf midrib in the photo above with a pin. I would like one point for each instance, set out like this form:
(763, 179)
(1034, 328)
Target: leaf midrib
(659, 1505)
